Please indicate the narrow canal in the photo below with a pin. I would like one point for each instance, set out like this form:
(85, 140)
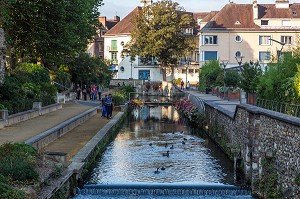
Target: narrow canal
(155, 147)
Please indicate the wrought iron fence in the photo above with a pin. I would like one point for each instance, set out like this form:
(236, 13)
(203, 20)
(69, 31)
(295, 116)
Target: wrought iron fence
(289, 109)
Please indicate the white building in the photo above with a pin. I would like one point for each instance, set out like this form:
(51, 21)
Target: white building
(119, 35)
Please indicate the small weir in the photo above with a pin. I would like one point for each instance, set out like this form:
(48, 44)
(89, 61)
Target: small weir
(165, 190)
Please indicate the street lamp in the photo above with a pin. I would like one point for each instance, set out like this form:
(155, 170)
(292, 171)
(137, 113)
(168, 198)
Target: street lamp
(224, 64)
(278, 54)
(131, 65)
(239, 60)
(186, 72)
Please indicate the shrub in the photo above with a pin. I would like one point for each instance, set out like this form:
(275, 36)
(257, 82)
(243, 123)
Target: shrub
(119, 98)
(6, 192)
(17, 162)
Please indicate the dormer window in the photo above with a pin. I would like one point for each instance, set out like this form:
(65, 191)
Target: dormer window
(237, 23)
(264, 22)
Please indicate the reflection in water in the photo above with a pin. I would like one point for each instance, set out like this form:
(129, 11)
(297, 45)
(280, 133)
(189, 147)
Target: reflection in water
(137, 152)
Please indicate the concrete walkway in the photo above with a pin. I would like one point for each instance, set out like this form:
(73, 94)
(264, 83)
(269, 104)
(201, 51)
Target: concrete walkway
(27, 129)
(228, 106)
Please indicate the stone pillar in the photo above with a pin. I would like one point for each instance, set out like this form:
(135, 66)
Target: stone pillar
(3, 114)
(2, 56)
(37, 106)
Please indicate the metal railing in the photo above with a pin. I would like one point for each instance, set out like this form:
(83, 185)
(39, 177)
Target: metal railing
(289, 109)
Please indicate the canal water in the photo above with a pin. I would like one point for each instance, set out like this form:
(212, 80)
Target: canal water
(156, 147)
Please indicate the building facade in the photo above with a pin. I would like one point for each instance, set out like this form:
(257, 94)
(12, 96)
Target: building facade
(240, 33)
(116, 38)
(96, 48)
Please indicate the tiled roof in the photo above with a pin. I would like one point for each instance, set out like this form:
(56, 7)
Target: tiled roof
(200, 15)
(240, 16)
(233, 16)
(270, 11)
(124, 26)
(210, 15)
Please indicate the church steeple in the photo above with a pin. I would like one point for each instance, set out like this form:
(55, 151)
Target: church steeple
(146, 2)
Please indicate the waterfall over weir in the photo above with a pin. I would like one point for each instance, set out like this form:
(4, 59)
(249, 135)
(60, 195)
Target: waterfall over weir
(164, 190)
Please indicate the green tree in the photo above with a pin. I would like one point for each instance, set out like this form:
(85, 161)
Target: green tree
(86, 70)
(250, 77)
(158, 32)
(209, 75)
(277, 81)
(232, 78)
(49, 31)
(297, 81)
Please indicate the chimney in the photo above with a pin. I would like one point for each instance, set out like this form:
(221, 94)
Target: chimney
(102, 20)
(255, 10)
(282, 3)
(116, 18)
(146, 3)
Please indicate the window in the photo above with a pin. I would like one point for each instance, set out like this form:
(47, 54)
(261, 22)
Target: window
(288, 40)
(197, 57)
(114, 57)
(196, 70)
(210, 40)
(238, 38)
(264, 55)
(183, 71)
(264, 22)
(286, 23)
(210, 55)
(191, 70)
(144, 74)
(264, 40)
(294, 13)
(114, 45)
(238, 54)
(189, 31)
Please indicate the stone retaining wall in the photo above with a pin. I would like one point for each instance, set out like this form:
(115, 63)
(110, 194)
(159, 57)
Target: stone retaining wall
(254, 134)
(37, 110)
(43, 139)
(81, 162)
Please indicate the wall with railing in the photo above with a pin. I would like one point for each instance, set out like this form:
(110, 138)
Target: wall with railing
(289, 109)
(253, 135)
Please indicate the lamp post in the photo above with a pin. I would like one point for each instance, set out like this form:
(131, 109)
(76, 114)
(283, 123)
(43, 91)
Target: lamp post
(131, 66)
(186, 72)
(224, 64)
(239, 60)
(280, 51)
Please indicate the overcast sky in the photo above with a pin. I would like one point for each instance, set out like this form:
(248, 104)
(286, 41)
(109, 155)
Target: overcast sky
(124, 7)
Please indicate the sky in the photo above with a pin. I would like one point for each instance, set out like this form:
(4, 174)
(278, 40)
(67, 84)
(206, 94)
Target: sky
(121, 8)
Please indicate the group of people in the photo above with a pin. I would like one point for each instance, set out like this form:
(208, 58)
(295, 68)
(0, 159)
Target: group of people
(187, 85)
(93, 92)
(107, 106)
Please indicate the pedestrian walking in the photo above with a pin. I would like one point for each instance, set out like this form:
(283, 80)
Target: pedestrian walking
(99, 91)
(103, 102)
(188, 85)
(84, 92)
(181, 84)
(109, 106)
(78, 91)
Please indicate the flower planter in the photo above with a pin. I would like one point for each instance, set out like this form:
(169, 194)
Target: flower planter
(233, 95)
(251, 98)
(215, 91)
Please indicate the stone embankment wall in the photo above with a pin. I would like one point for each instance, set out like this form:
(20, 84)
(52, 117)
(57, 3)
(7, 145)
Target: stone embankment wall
(253, 135)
